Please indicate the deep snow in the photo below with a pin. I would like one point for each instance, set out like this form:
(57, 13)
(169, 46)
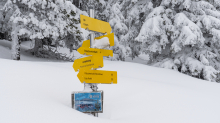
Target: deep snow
(36, 90)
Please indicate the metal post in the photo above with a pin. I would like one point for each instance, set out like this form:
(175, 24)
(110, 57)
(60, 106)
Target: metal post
(92, 34)
(94, 87)
(91, 14)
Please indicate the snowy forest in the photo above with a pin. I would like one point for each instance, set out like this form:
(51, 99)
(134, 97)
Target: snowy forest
(183, 35)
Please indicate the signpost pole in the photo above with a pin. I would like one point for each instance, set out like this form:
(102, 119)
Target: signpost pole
(87, 66)
(92, 37)
(91, 14)
(92, 34)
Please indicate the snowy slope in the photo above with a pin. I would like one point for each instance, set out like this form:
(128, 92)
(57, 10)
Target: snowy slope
(40, 92)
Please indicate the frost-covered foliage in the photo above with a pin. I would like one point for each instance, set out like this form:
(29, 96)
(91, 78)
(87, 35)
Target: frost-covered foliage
(5, 14)
(44, 19)
(117, 22)
(125, 18)
(134, 12)
(184, 35)
(99, 6)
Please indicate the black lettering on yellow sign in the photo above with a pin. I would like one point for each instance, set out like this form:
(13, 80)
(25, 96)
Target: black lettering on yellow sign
(86, 61)
(93, 73)
(87, 65)
(88, 78)
(85, 24)
(98, 76)
(90, 51)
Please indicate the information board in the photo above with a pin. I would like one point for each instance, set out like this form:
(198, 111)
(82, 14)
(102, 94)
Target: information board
(88, 101)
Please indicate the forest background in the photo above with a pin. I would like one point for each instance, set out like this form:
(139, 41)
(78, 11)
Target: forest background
(183, 35)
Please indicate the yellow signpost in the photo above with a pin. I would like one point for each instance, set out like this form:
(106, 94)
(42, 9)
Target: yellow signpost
(87, 66)
(97, 76)
(95, 25)
(91, 62)
(93, 51)
(110, 37)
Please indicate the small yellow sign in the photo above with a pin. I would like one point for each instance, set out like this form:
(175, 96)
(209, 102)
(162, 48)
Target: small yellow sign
(93, 51)
(97, 76)
(110, 37)
(95, 24)
(91, 62)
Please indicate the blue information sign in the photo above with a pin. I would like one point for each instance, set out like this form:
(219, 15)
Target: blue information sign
(88, 102)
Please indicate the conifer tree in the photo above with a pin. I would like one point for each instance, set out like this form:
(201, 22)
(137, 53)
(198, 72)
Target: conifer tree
(134, 11)
(112, 14)
(52, 19)
(184, 35)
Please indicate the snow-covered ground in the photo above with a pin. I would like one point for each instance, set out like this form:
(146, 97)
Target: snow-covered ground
(36, 90)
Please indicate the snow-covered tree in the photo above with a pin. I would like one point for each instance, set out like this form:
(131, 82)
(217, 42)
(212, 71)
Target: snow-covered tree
(112, 14)
(52, 19)
(134, 11)
(99, 6)
(184, 35)
(5, 14)
(117, 22)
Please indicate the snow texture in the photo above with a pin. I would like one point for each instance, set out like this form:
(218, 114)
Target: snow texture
(40, 92)
(101, 43)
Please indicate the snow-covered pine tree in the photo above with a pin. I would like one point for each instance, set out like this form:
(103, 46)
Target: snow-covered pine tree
(184, 35)
(117, 22)
(99, 6)
(5, 26)
(41, 19)
(134, 11)
(112, 14)
(15, 48)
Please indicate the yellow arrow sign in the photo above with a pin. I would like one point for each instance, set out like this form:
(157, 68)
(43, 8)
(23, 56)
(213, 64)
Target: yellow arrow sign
(95, 24)
(110, 37)
(97, 76)
(93, 51)
(90, 62)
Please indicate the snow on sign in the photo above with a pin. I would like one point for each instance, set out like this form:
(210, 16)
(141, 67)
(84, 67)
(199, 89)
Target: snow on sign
(88, 102)
(95, 25)
(109, 36)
